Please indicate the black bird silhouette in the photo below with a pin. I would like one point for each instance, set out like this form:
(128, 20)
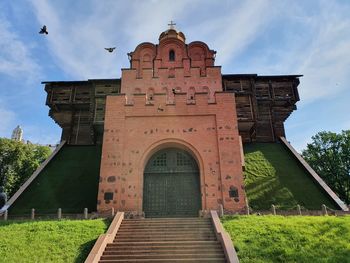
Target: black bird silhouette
(110, 49)
(43, 30)
(174, 91)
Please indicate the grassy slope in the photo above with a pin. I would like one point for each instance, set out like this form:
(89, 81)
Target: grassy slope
(290, 239)
(48, 241)
(273, 176)
(69, 181)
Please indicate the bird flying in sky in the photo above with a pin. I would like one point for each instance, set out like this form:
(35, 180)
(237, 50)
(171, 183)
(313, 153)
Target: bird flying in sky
(110, 49)
(43, 30)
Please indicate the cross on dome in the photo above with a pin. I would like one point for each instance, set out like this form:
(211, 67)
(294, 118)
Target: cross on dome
(172, 24)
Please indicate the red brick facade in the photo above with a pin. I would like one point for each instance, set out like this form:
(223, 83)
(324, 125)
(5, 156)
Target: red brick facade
(171, 97)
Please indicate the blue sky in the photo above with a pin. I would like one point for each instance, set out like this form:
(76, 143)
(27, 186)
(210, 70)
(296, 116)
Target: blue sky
(259, 36)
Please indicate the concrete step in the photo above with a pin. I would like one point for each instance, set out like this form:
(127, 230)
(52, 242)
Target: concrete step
(168, 237)
(183, 219)
(162, 234)
(165, 239)
(183, 226)
(168, 233)
(164, 229)
(146, 222)
(169, 260)
(205, 243)
(162, 248)
(155, 231)
(162, 256)
(145, 251)
(168, 225)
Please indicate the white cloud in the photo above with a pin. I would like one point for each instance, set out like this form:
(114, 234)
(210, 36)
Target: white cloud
(316, 44)
(327, 60)
(15, 56)
(77, 42)
(240, 28)
(313, 43)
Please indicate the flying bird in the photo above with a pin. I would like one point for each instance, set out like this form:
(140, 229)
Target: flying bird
(43, 30)
(110, 49)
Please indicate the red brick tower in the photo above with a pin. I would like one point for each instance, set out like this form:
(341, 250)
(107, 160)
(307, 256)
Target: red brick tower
(171, 145)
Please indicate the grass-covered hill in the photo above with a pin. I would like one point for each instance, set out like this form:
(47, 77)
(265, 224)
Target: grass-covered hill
(69, 181)
(48, 241)
(264, 239)
(257, 239)
(274, 176)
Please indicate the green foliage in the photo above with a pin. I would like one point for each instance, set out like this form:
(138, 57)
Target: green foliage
(290, 239)
(274, 176)
(18, 161)
(69, 181)
(49, 241)
(329, 156)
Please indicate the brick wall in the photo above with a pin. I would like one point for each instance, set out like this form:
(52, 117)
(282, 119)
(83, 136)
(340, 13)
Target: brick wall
(134, 132)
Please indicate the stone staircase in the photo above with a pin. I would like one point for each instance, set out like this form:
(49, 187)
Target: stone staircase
(164, 240)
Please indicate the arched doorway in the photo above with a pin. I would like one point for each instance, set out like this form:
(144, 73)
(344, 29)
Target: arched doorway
(171, 185)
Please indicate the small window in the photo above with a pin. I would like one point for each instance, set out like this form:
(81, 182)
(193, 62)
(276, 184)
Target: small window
(108, 196)
(233, 192)
(171, 55)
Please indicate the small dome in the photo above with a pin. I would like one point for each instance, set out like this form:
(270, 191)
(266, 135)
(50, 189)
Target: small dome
(172, 33)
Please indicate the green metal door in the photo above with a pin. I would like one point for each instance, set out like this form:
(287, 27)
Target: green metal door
(171, 185)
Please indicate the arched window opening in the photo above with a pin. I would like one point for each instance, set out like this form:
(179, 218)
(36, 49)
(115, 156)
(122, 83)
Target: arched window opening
(150, 96)
(171, 55)
(191, 95)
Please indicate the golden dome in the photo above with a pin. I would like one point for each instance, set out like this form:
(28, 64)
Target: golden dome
(172, 33)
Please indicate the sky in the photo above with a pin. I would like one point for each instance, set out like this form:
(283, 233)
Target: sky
(264, 37)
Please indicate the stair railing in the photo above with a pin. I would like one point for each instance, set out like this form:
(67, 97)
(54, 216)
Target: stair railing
(101, 243)
(224, 238)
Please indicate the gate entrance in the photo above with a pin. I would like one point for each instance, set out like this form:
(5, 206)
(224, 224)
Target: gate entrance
(171, 185)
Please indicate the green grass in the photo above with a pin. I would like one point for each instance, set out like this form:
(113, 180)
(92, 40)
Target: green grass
(69, 181)
(290, 239)
(49, 241)
(273, 176)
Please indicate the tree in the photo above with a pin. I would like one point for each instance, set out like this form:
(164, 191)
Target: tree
(329, 156)
(17, 163)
